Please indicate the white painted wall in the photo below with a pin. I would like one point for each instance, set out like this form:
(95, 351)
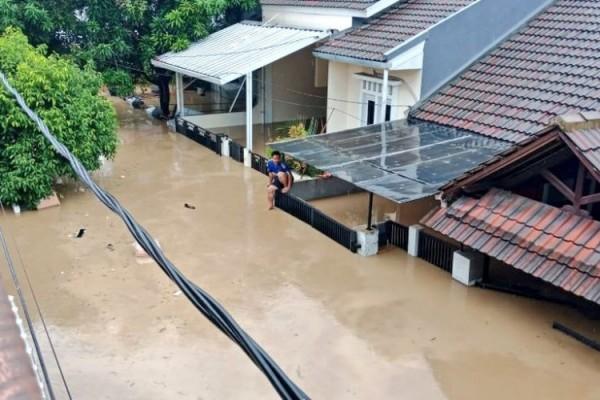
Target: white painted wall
(344, 95)
(305, 17)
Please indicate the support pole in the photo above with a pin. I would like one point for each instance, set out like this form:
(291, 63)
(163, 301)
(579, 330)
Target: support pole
(369, 217)
(249, 111)
(384, 95)
(179, 94)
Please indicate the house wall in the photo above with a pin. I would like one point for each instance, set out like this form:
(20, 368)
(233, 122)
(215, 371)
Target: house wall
(280, 99)
(344, 95)
(293, 92)
(304, 17)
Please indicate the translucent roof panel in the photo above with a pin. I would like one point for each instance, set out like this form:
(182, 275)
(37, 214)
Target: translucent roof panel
(400, 160)
(237, 50)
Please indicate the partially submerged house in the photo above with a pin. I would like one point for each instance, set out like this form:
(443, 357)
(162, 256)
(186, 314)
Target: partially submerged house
(547, 68)
(408, 51)
(253, 75)
(535, 208)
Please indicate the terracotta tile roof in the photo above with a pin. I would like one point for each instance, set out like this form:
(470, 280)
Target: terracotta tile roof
(587, 142)
(554, 245)
(17, 379)
(550, 67)
(345, 4)
(390, 29)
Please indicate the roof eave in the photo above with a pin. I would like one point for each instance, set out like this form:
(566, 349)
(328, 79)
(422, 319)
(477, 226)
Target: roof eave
(352, 60)
(217, 81)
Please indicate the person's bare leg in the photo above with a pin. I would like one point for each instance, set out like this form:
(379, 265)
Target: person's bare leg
(271, 196)
(283, 178)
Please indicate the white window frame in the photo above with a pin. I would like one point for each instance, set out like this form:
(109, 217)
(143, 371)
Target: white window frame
(370, 89)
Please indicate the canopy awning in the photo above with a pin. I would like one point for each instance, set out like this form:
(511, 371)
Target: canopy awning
(398, 160)
(237, 50)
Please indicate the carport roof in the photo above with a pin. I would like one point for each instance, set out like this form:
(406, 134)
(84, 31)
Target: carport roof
(398, 160)
(233, 52)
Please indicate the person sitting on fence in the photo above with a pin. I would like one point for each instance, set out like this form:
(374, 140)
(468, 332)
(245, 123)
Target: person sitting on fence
(280, 177)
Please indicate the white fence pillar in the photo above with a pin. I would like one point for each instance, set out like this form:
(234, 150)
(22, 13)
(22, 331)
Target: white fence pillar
(384, 96)
(413, 239)
(467, 267)
(368, 241)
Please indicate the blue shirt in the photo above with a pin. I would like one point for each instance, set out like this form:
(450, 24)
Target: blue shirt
(277, 168)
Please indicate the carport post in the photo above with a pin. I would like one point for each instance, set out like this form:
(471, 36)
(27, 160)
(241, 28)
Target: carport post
(179, 93)
(369, 217)
(249, 111)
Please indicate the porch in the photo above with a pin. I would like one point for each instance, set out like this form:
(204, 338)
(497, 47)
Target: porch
(236, 82)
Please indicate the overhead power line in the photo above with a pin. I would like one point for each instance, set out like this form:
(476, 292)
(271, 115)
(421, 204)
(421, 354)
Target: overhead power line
(205, 303)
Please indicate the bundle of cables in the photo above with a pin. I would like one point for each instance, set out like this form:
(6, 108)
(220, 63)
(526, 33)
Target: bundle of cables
(207, 305)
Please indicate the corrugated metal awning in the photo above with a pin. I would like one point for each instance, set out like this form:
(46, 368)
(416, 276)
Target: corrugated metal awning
(399, 160)
(233, 52)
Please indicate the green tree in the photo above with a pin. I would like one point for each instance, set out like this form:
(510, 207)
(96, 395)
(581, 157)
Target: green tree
(67, 98)
(121, 35)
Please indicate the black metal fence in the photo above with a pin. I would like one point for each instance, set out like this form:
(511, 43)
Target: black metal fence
(315, 218)
(393, 233)
(236, 151)
(436, 251)
(259, 163)
(200, 135)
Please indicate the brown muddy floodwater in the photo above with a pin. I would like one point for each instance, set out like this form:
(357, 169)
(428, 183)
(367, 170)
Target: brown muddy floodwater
(342, 326)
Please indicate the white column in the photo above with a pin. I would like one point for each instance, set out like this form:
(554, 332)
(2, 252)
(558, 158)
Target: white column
(249, 111)
(179, 93)
(467, 267)
(413, 239)
(384, 95)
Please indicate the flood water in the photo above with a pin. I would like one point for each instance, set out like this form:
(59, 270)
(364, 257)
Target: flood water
(342, 326)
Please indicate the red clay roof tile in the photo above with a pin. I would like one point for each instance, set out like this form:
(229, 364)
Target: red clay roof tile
(555, 245)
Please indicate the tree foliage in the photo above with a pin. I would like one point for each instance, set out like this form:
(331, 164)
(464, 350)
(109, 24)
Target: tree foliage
(66, 97)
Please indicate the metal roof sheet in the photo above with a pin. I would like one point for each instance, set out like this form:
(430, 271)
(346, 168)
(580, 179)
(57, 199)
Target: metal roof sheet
(398, 160)
(233, 52)
(557, 246)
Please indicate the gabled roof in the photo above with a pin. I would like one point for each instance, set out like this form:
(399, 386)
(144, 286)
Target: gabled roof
(390, 29)
(560, 247)
(344, 4)
(578, 133)
(550, 67)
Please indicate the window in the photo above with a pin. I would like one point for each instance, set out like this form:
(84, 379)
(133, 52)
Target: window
(371, 98)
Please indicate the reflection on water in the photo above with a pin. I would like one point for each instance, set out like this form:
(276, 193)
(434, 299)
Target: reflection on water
(342, 326)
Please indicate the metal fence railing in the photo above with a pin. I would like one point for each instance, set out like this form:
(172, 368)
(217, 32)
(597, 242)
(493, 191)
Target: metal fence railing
(315, 218)
(436, 251)
(287, 202)
(259, 163)
(200, 135)
(236, 151)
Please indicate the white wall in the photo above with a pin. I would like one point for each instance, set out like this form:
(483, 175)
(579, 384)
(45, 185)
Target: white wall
(304, 18)
(344, 95)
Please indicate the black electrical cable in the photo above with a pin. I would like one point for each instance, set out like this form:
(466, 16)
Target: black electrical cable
(207, 305)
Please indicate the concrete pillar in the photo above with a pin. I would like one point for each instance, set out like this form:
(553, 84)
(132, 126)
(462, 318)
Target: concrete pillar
(368, 241)
(384, 92)
(179, 94)
(225, 146)
(413, 239)
(467, 267)
(249, 111)
(247, 157)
